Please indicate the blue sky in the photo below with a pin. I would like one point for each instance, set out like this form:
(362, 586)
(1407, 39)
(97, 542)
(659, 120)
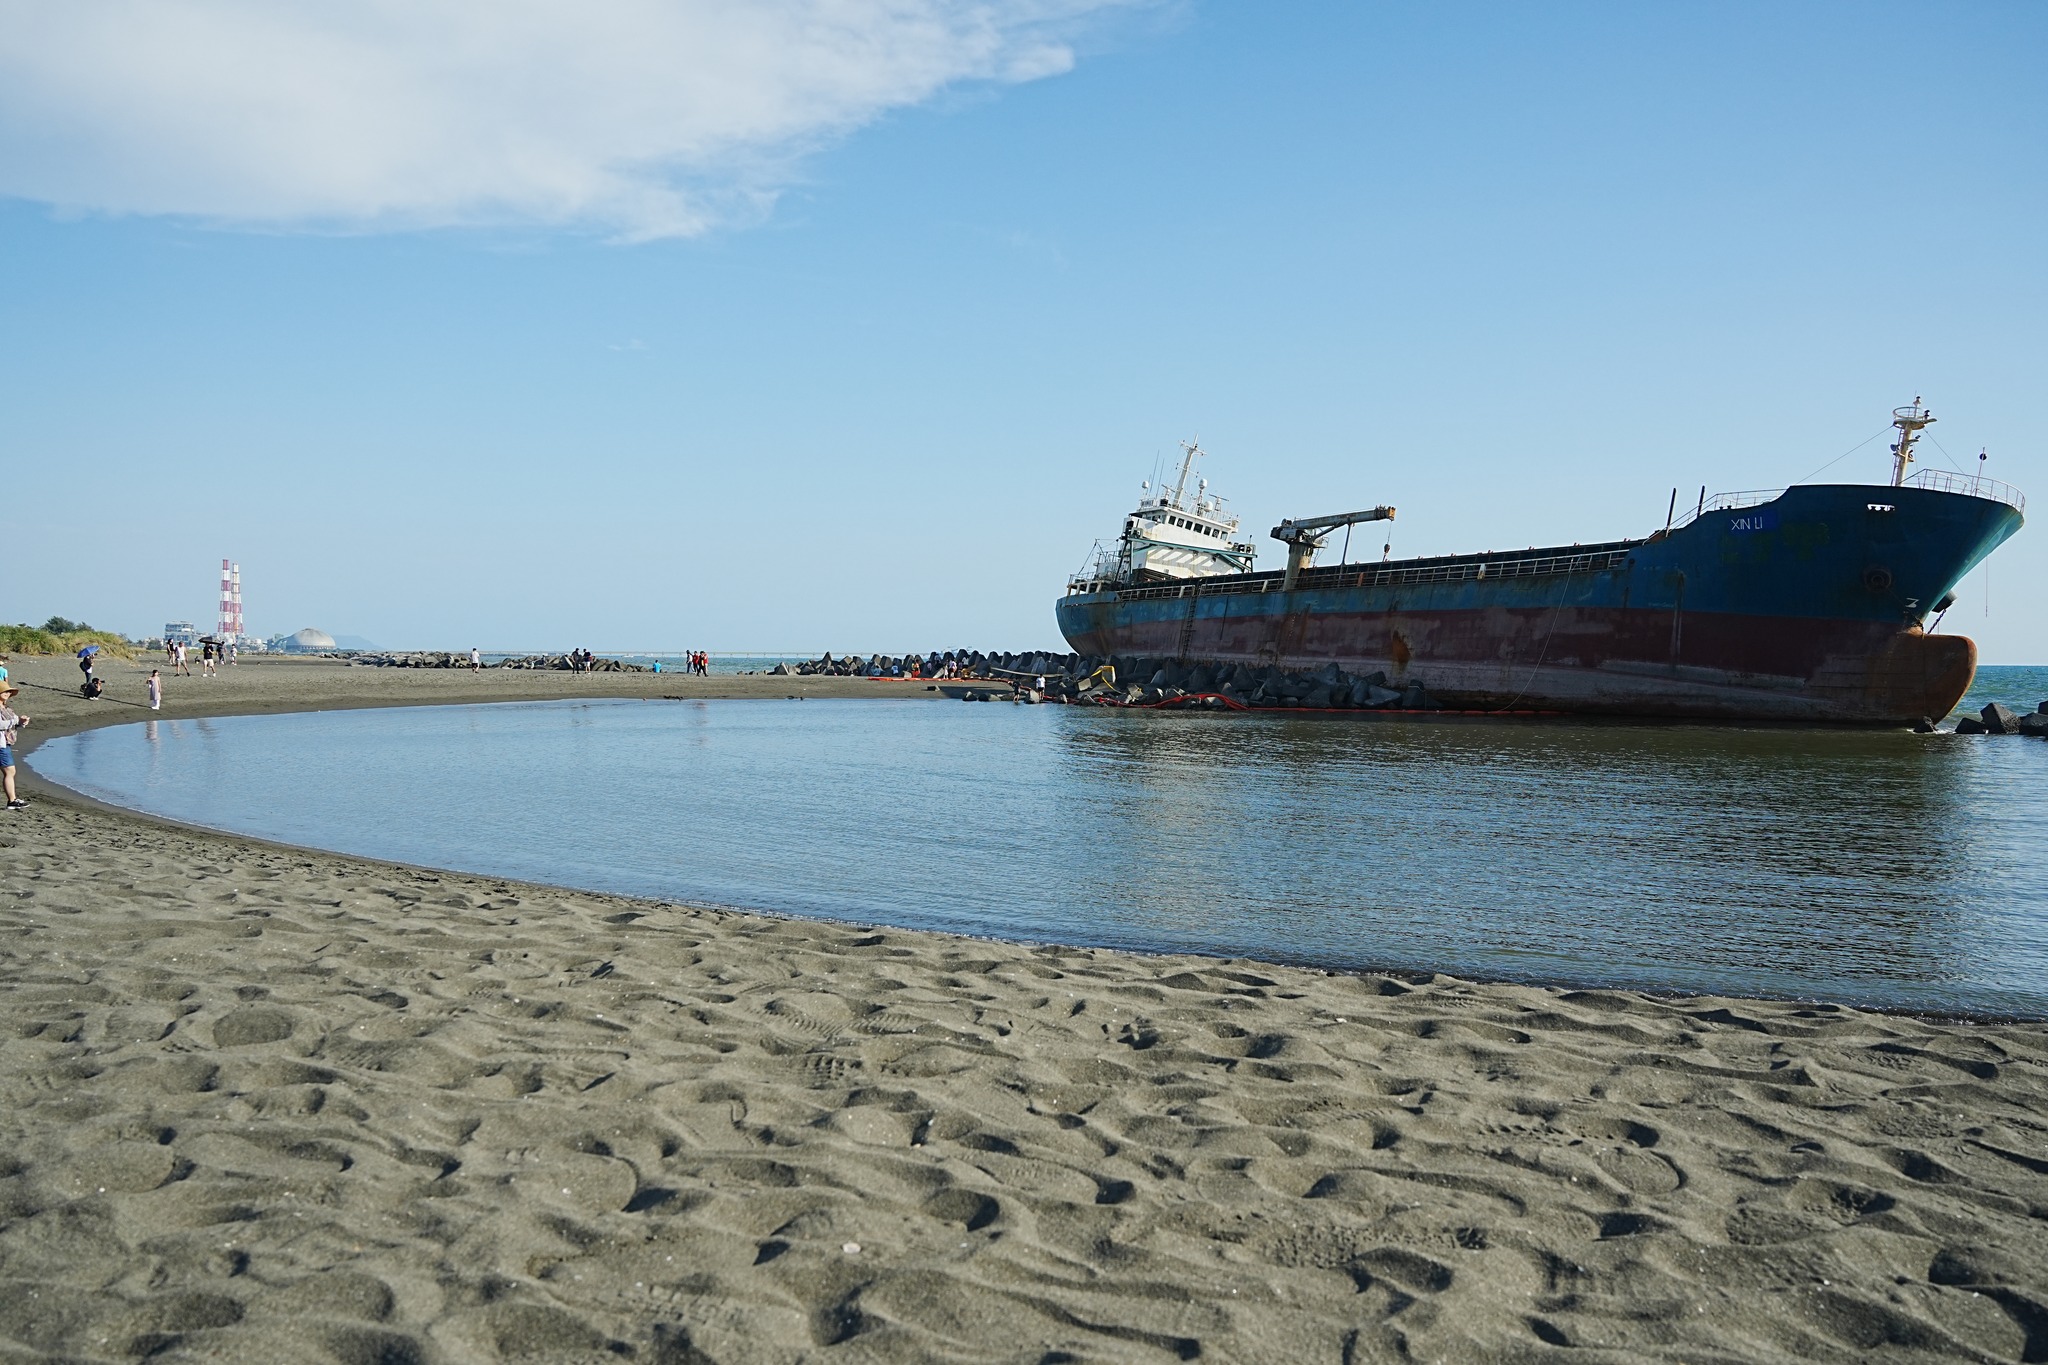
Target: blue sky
(872, 366)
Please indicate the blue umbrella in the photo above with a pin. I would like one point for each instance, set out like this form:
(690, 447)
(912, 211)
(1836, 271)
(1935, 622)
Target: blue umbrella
(88, 651)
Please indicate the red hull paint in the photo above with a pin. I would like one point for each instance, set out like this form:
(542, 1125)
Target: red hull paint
(1598, 660)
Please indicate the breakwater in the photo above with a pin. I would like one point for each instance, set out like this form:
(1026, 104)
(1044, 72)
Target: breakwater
(442, 658)
(1996, 718)
(1155, 682)
(1137, 680)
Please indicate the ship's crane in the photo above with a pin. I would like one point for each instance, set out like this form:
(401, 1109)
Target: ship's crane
(1303, 536)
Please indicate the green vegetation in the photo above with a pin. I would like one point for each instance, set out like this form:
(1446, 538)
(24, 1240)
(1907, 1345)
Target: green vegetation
(73, 636)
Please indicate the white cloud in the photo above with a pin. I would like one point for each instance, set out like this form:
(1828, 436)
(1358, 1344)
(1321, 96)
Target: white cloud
(641, 117)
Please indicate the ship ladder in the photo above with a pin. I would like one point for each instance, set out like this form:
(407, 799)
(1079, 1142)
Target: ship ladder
(1187, 623)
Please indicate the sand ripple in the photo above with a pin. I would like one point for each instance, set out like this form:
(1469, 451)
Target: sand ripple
(266, 1105)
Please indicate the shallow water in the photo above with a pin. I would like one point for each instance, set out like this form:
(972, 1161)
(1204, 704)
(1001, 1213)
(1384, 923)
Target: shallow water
(1880, 868)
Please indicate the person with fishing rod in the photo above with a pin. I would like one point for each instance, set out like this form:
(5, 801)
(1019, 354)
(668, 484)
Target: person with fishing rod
(9, 723)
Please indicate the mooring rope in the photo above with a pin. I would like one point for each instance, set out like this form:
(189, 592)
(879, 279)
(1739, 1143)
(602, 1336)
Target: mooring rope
(1534, 668)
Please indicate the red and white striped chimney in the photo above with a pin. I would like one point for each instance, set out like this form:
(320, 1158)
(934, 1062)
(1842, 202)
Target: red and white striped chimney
(230, 600)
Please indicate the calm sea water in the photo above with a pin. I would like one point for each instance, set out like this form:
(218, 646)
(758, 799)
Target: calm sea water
(1888, 868)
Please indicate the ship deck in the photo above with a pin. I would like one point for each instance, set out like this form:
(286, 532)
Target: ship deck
(1533, 562)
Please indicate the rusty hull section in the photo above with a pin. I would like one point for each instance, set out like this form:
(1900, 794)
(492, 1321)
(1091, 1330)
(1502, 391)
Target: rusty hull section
(1586, 660)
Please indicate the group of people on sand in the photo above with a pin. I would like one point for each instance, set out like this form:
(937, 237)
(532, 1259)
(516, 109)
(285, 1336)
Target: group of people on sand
(697, 663)
(12, 720)
(212, 657)
(94, 687)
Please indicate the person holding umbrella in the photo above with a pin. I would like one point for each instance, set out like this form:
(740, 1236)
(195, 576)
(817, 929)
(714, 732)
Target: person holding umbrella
(85, 660)
(9, 723)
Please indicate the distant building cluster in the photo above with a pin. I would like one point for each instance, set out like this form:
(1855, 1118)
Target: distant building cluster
(229, 628)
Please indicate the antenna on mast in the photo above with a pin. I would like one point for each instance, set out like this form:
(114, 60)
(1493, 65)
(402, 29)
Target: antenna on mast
(1910, 421)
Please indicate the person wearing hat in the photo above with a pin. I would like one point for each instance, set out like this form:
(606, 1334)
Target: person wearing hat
(9, 723)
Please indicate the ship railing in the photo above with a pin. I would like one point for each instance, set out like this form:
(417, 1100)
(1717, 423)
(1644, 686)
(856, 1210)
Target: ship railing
(1728, 502)
(1453, 570)
(1374, 575)
(1970, 485)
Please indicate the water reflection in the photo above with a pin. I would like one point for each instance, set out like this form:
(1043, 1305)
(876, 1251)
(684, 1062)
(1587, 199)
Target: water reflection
(1661, 855)
(1875, 867)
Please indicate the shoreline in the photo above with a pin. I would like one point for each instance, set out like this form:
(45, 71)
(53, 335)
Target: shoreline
(423, 687)
(274, 1102)
(1409, 974)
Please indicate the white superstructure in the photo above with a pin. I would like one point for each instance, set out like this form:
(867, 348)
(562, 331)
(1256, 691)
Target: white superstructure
(1168, 537)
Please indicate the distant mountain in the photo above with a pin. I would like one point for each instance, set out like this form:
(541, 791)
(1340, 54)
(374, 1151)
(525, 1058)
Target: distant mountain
(352, 642)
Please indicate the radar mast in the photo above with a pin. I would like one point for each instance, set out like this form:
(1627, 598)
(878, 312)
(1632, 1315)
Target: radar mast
(1910, 421)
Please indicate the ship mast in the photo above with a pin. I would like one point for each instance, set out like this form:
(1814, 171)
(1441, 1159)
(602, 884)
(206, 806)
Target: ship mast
(1910, 421)
(1186, 464)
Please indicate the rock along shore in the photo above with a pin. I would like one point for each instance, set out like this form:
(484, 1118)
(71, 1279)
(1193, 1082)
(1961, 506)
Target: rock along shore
(1138, 680)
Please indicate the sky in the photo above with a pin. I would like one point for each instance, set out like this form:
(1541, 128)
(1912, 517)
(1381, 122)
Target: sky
(801, 325)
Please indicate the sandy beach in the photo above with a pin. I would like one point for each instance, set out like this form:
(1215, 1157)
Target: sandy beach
(258, 1103)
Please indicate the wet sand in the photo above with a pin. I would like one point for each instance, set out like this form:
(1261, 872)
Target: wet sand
(258, 1103)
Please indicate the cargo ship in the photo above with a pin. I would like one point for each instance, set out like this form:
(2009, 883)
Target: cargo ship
(1810, 603)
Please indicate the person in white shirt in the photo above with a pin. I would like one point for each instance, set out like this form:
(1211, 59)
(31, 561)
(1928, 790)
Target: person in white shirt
(476, 660)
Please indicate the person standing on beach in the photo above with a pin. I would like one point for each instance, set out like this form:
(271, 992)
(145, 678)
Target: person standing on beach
(3, 668)
(156, 690)
(9, 723)
(476, 660)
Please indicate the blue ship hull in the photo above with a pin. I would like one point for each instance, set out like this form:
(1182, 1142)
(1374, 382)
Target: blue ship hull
(1810, 607)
